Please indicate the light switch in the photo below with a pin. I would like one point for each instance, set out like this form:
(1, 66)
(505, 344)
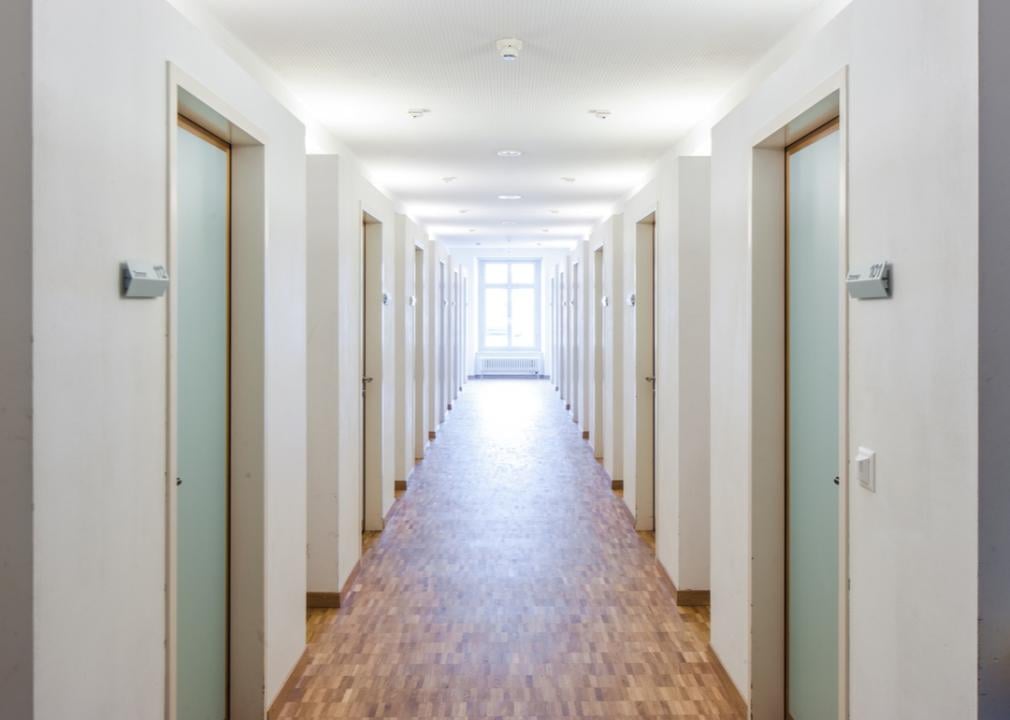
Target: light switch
(866, 469)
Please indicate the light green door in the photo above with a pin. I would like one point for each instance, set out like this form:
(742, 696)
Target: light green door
(814, 276)
(202, 520)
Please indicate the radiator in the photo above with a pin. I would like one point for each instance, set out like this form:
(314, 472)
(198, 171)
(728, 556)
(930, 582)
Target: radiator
(491, 365)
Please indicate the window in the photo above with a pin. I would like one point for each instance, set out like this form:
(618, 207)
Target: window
(510, 304)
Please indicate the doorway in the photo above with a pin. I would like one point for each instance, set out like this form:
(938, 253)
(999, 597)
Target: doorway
(597, 419)
(563, 338)
(203, 422)
(645, 371)
(420, 338)
(813, 197)
(372, 307)
(443, 342)
(573, 312)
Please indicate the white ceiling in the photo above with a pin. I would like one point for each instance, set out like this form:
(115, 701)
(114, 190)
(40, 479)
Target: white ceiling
(657, 65)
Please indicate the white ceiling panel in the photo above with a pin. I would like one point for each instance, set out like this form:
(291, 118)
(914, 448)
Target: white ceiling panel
(657, 65)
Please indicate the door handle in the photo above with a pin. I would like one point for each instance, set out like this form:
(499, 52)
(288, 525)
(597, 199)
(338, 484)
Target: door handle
(650, 379)
(366, 380)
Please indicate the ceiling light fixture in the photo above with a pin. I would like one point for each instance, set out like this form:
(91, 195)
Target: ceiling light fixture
(509, 153)
(473, 230)
(508, 48)
(555, 212)
(600, 114)
(463, 212)
(568, 179)
(510, 197)
(449, 178)
(418, 113)
(546, 230)
(508, 222)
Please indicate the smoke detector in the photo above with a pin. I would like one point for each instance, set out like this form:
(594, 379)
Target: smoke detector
(509, 48)
(418, 113)
(600, 114)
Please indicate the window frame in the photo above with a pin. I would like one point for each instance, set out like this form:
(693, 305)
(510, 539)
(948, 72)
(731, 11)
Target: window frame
(509, 286)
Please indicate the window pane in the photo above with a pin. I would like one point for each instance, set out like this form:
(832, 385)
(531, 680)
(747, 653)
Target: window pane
(496, 273)
(524, 273)
(496, 317)
(524, 321)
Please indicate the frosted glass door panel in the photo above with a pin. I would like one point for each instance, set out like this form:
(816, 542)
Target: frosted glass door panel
(202, 521)
(814, 276)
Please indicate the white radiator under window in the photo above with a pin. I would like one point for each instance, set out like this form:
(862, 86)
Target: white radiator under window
(506, 365)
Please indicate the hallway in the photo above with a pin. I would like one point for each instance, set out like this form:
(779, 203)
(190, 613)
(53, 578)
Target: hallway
(509, 583)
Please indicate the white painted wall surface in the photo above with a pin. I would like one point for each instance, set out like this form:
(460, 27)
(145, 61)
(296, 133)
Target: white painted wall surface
(323, 233)
(16, 613)
(682, 371)
(610, 233)
(913, 371)
(636, 209)
(101, 129)
(357, 196)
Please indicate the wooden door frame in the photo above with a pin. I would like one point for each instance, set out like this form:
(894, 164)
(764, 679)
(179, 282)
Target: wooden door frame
(768, 461)
(247, 244)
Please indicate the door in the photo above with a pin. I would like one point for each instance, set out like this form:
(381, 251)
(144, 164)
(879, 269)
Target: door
(813, 272)
(420, 337)
(645, 385)
(574, 332)
(203, 358)
(598, 353)
(371, 380)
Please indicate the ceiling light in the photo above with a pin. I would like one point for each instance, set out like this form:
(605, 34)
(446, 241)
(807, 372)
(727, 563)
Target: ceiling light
(546, 230)
(463, 212)
(508, 48)
(568, 179)
(473, 230)
(509, 153)
(418, 113)
(508, 222)
(600, 114)
(510, 197)
(449, 178)
(555, 212)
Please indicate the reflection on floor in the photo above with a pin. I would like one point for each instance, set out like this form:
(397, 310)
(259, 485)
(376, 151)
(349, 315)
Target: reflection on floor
(509, 583)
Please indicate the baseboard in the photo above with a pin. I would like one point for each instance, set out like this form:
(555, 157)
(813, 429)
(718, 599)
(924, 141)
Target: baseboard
(732, 694)
(585, 434)
(289, 689)
(322, 600)
(684, 598)
(400, 485)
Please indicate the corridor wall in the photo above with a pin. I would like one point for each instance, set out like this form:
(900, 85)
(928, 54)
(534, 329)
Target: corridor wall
(913, 359)
(101, 101)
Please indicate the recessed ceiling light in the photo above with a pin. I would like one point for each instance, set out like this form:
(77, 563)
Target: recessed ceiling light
(509, 153)
(555, 212)
(478, 243)
(546, 230)
(568, 179)
(449, 179)
(463, 212)
(600, 114)
(473, 230)
(510, 197)
(418, 113)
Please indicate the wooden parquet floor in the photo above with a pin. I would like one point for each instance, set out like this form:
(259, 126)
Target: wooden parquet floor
(509, 583)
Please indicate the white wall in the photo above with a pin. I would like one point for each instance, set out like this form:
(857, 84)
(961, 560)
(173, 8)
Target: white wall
(357, 196)
(101, 127)
(608, 235)
(635, 210)
(913, 198)
(323, 228)
(16, 656)
(682, 372)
